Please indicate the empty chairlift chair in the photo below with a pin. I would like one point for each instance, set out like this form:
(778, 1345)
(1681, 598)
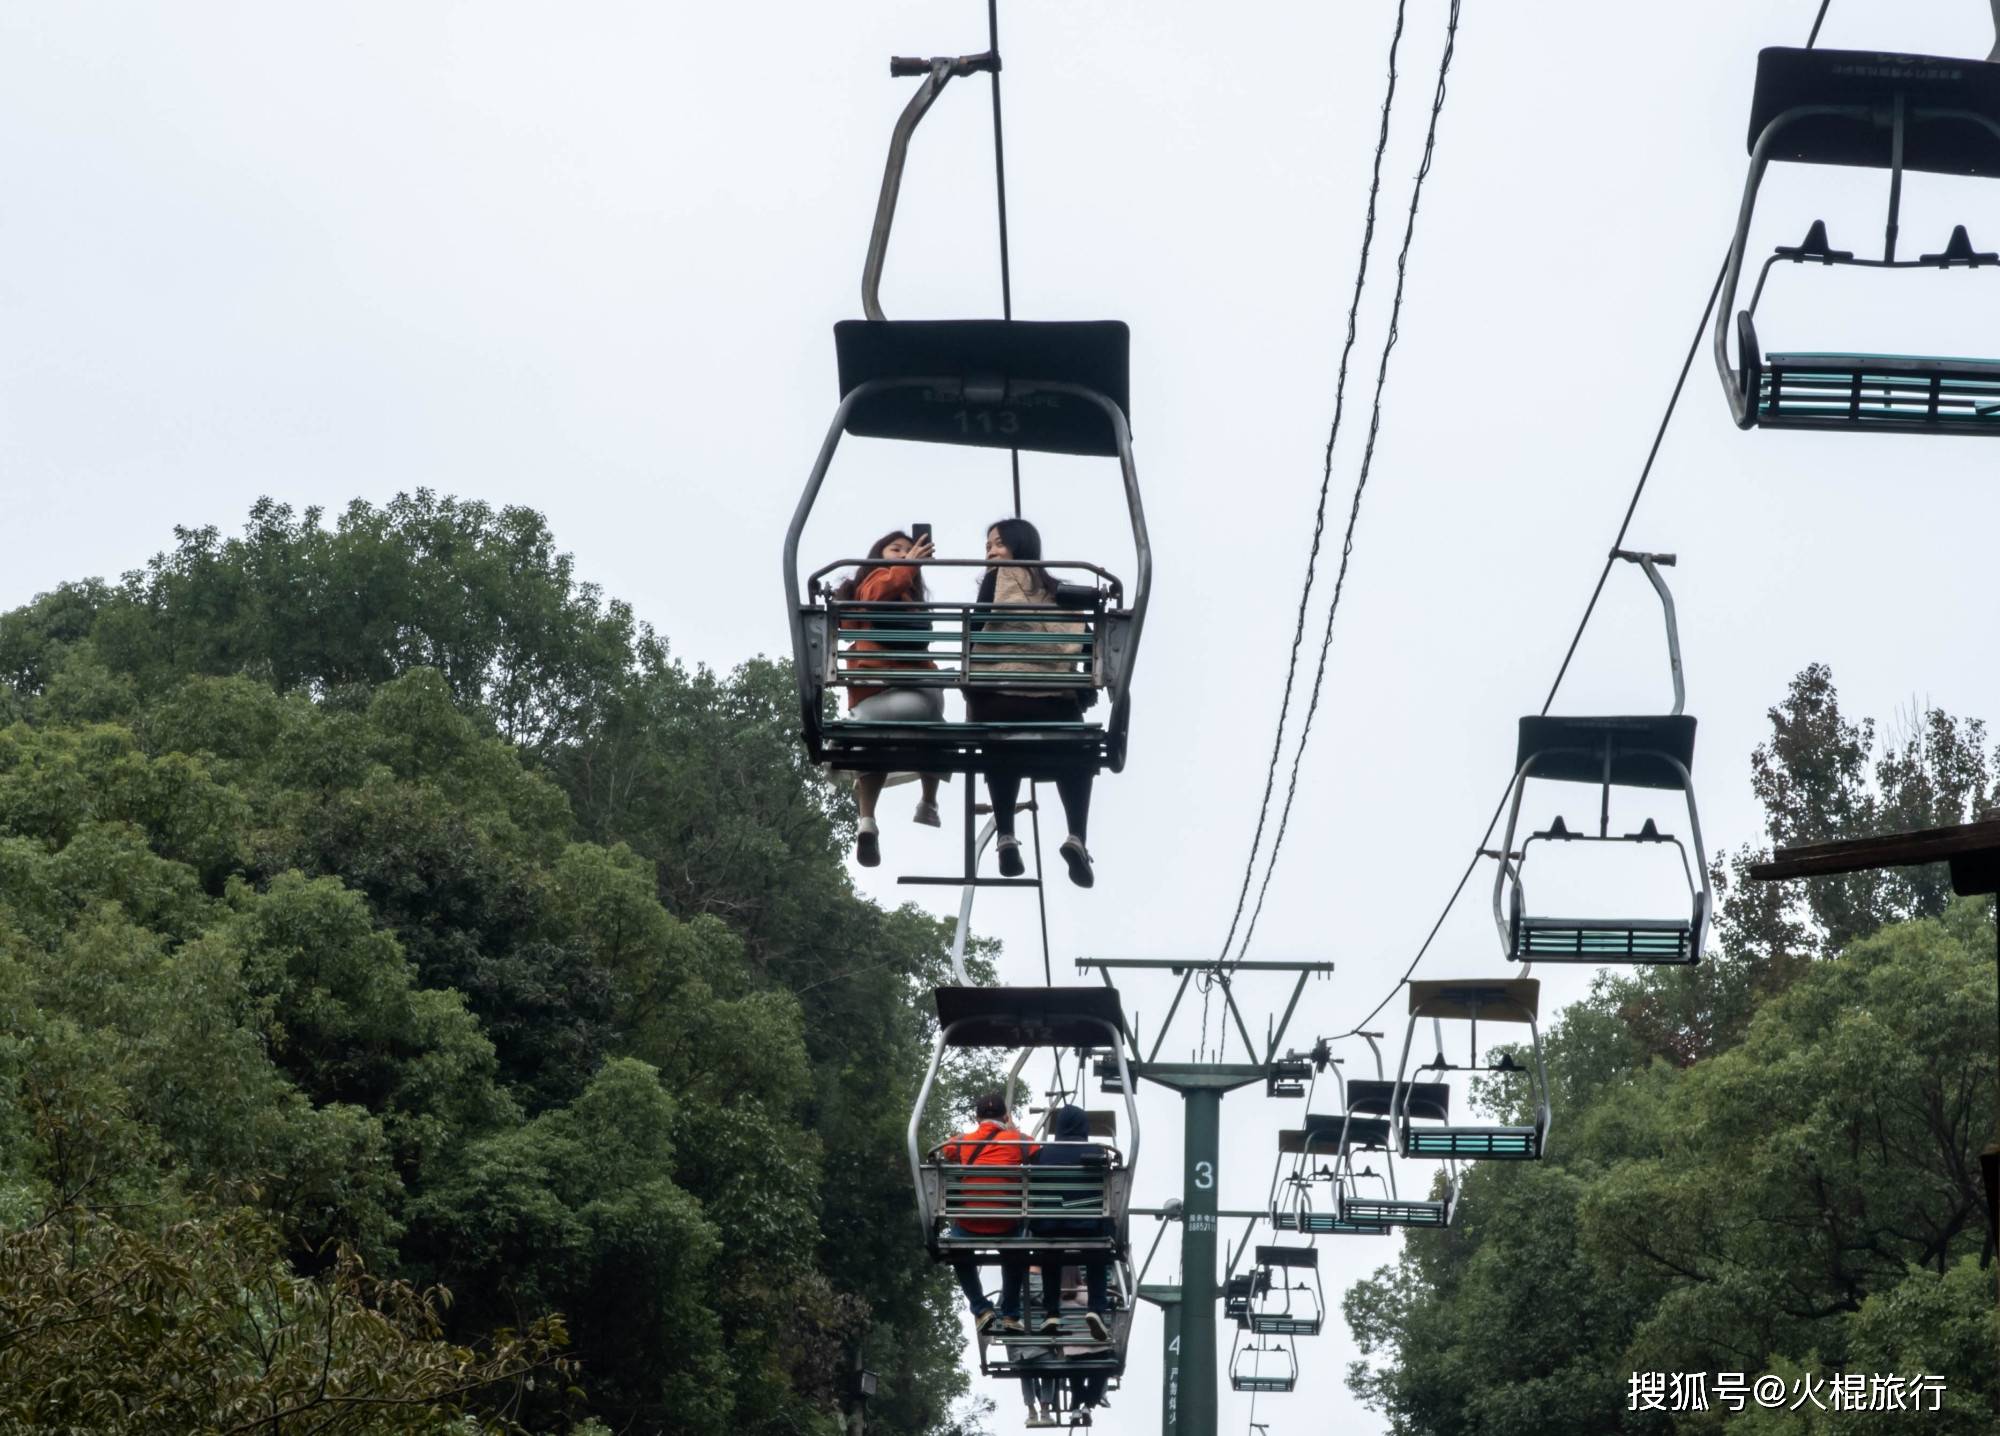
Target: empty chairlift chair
(1317, 1154)
(1047, 387)
(1469, 1000)
(1263, 1364)
(1889, 112)
(1287, 1303)
(1031, 1196)
(1644, 752)
(1372, 1107)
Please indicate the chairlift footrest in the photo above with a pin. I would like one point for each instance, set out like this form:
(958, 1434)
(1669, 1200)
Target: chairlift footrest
(1266, 1324)
(1488, 1143)
(1387, 1212)
(1623, 940)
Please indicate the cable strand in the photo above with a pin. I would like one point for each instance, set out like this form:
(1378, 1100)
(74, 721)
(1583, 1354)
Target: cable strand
(1631, 507)
(1361, 479)
(1326, 482)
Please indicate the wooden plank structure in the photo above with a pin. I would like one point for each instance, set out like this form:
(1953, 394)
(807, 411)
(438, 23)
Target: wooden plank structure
(1973, 852)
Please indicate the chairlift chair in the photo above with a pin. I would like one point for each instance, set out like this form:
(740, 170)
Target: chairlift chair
(1469, 1000)
(1649, 752)
(1265, 1365)
(1860, 108)
(1287, 1303)
(1392, 1103)
(1031, 1196)
(1323, 1135)
(1047, 387)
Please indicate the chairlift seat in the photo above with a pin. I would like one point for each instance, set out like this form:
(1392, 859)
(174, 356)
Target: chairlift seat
(988, 370)
(1035, 750)
(1029, 1016)
(1632, 940)
(1323, 1135)
(1876, 391)
(1788, 77)
(1571, 749)
(1267, 1385)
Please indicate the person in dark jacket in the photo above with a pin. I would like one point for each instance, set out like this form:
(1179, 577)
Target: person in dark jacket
(1070, 1146)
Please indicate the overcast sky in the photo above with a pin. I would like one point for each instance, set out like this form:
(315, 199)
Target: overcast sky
(587, 258)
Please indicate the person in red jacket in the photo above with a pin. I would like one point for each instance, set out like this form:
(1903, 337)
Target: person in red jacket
(895, 641)
(991, 1143)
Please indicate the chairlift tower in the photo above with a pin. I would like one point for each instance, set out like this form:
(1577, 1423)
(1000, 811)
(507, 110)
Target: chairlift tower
(1191, 1382)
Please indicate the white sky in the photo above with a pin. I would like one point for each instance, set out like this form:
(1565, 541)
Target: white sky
(588, 259)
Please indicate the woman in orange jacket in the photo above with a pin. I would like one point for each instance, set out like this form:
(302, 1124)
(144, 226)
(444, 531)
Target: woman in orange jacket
(896, 641)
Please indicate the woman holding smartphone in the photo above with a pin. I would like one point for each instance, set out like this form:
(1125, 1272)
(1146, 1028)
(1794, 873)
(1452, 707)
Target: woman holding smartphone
(1010, 584)
(894, 641)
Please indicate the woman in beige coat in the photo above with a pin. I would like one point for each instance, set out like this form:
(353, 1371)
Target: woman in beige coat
(1007, 583)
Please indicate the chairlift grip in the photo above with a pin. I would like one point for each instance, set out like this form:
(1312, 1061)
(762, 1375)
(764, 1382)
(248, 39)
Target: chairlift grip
(903, 67)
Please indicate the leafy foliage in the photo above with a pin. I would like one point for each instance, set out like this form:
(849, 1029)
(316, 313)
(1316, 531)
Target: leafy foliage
(1768, 1163)
(376, 898)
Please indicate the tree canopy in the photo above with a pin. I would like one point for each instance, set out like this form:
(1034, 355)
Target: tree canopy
(426, 998)
(1765, 1164)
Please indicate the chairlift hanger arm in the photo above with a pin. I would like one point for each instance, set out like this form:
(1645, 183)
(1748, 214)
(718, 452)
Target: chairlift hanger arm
(936, 74)
(1652, 563)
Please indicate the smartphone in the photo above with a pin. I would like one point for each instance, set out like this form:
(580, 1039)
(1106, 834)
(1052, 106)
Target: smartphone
(920, 533)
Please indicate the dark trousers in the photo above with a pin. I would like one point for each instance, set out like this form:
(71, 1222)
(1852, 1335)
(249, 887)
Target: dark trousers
(1013, 1276)
(1005, 787)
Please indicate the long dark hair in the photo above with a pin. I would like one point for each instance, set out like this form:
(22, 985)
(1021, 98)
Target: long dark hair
(1023, 541)
(850, 586)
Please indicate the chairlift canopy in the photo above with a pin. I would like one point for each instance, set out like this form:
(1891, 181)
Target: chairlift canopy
(1572, 749)
(1954, 144)
(1000, 383)
(1324, 1135)
(1028, 1016)
(1483, 1000)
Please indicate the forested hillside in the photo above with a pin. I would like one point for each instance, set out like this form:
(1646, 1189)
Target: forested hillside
(383, 914)
(1765, 1165)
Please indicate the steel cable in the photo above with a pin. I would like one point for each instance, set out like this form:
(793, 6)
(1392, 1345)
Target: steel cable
(1325, 485)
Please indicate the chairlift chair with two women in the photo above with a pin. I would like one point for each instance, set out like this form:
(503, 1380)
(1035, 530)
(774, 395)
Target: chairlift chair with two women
(1046, 387)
